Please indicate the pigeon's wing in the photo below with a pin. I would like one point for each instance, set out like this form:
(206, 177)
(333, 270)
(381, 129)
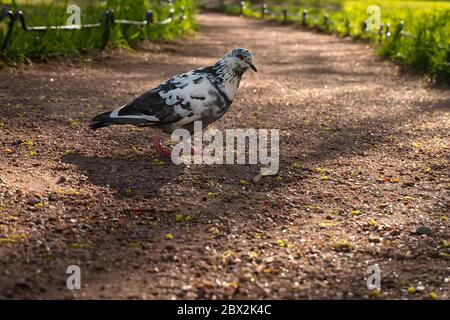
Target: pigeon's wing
(178, 101)
(175, 103)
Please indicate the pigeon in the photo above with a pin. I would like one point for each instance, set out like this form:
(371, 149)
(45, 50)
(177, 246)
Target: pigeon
(203, 94)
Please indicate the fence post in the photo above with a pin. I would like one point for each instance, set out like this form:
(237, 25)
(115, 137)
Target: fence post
(364, 26)
(305, 17)
(107, 21)
(388, 30)
(285, 15)
(149, 17)
(263, 10)
(400, 28)
(181, 15)
(171, 9)
(326, 21)
(12, 20)
(380, 33)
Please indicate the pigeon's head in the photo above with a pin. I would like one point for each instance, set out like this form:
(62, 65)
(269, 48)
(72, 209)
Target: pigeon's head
(240, 58)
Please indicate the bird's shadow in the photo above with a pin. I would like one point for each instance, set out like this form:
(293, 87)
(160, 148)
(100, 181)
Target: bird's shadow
(129, 177)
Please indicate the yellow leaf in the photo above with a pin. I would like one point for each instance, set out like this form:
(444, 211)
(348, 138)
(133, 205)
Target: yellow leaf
(314, 207)
(74, 193)
(343, 246)
(211, 183)
(281, 243)
(28, 143)
(395, 180)
(375, 293)
(227, 254)
(243, 182)
(134, 245)
(74, 122)
(76, 245)
(39, 205)
(320, 170)
(327, 224)
(169, 236)
(433, 295)
(411, 290)
(231, 284)
(214, 231)
(7, 240)
(158, 162)
(356, 212)
(295, 165)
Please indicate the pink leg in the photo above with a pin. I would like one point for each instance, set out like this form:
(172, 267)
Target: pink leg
(196, 151)
(158, 147)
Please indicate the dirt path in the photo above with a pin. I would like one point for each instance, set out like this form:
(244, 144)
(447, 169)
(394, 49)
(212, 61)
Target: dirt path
(364, 157)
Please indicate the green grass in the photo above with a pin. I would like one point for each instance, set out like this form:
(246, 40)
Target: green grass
(39, 45)
(428, 21)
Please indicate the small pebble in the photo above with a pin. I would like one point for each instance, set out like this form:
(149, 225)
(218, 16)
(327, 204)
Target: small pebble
(256, 178)
(171, 248)
(32, 201)
(424, 230)
(420, 288)
(61, 179)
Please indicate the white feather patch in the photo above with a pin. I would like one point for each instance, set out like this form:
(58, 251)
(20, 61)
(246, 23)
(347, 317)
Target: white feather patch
(115, 114)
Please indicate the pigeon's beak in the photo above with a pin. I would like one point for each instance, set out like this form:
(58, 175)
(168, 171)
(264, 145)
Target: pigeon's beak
(252, 66)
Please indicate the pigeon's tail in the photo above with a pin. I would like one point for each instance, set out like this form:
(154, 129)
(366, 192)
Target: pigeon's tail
(122, 115)
(101, 121)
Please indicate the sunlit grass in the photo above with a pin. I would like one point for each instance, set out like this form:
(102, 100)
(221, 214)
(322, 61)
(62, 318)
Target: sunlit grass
(428, 21)
(75, 42)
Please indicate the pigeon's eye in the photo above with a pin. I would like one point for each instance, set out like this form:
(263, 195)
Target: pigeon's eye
(240, 56)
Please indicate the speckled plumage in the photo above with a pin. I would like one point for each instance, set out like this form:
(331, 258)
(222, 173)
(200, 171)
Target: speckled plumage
(202, 94)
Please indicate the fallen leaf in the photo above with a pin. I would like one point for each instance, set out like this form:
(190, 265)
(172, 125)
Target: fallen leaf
(169, 236)
(343, 246)
(433, 295)
(281, 243)
(243, 182)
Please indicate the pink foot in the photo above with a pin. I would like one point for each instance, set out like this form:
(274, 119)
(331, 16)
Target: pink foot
(197, 151)
(158, 146)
